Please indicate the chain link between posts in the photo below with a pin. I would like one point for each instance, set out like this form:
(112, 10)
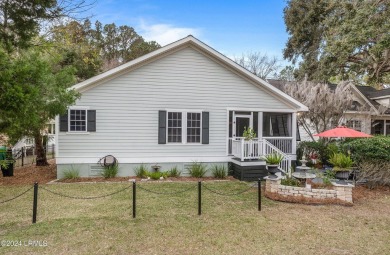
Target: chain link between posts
(232, 194)
(167, 193)
(21, 194)
(76, 197)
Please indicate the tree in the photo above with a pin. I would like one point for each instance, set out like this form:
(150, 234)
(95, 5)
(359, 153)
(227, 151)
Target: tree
(326, 105)
(345, 38)
(259, 64)
(33, 91)
(287, 74)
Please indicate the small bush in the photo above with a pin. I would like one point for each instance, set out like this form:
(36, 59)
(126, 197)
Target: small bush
(219, 171)
(156, 175)
(141, 171)
(174, 172)
(290, 182)
(72, 173)
(197, 170)
(376, 173)
(273, 158)
(110, 171)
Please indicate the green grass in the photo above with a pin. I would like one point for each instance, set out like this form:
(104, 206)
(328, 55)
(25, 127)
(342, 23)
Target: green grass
(167, 224)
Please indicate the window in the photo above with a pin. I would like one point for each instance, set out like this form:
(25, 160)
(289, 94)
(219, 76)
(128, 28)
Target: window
(355, 124)
(174, 127)
(193, 127)
(78, 120)
(184, 127)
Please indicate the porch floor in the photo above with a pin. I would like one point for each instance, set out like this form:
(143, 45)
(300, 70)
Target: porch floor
(248, 162)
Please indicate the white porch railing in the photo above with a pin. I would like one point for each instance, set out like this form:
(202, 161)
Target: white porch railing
(282, 143)
(256, 149)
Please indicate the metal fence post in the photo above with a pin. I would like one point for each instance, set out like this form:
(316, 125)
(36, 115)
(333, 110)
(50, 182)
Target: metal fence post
(259, 193)
(22, 156)
(134, 199)
(35, 203)
(199, 197)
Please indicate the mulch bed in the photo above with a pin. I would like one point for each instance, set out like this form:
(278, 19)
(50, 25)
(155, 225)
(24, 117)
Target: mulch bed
(44, 174)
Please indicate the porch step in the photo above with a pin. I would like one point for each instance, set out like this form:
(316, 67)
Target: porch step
(253, 162)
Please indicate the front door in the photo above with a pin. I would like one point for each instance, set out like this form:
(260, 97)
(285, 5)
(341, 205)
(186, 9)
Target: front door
(240, 123)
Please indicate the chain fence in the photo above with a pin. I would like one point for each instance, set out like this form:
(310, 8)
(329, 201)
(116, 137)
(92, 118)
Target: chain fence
(75, 197)
(134, 197)
(15, 197)
(230, 194)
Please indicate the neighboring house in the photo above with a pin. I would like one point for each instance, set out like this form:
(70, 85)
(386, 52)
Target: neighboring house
(182, 103)
(369, 112)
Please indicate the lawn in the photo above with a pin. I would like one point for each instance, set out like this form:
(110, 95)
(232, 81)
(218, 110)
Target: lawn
(168, 224)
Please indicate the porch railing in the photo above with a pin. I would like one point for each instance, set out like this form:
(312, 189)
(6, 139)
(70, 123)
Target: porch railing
(257, 148)
(282, 143)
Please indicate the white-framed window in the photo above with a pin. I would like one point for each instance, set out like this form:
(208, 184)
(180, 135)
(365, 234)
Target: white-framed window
(184, 127)
(193, 127)
(77, 120)
(355, 124)
(175, 127)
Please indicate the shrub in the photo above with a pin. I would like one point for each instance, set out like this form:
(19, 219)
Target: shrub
(197, 170)
(72, 173)
(110, 171)
(174, 172)
(376, 173)
(141, 171)
(340, 161)
(156, 175)
(374, 149)
(290, 182)
(219, 171)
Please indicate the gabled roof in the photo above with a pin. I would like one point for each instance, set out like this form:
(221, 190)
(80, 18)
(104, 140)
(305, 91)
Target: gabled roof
(185, 42)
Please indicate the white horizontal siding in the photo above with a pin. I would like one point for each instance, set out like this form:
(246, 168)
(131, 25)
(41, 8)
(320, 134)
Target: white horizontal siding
(127, 107)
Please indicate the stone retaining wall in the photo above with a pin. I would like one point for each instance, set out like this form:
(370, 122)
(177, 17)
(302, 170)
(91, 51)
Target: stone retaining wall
(339, 192)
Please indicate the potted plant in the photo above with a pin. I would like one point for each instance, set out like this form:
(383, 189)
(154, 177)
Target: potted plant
(342, 165)
(273, 160)
(7, 163)
(249, 134)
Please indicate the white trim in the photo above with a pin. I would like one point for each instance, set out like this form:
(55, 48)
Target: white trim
(260, 110)
(193, 42)
(138, 160)
(380, 97)
(364, 98)
(294, 126)
(77, 133)
(56, 135)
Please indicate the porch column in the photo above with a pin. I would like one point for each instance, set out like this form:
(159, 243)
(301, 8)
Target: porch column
(294, 132)
(260, 125)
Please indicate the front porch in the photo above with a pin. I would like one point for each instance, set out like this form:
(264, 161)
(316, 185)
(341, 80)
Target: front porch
(278, 134)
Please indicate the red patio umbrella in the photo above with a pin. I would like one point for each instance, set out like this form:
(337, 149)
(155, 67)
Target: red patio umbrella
(342, 132)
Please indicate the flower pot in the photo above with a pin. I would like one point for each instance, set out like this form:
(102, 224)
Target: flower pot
(272, 170)
(8, 171)
(343, 175)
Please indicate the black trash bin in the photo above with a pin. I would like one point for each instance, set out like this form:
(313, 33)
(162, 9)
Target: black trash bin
(8, 168)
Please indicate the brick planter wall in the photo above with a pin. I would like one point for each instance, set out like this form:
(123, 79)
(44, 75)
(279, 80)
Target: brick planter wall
(339, 192)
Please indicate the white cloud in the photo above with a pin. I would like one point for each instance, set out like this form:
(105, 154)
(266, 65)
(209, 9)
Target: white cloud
(165, 33)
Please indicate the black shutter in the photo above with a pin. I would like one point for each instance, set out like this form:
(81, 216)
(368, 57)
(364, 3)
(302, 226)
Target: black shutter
(205, 127)
(91, 119)
(162, 127)
(64, 123)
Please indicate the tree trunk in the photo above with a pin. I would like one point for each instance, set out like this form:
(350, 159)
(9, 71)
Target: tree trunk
(40, 151)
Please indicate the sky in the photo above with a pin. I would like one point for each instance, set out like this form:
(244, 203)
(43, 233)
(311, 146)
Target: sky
(232, 27)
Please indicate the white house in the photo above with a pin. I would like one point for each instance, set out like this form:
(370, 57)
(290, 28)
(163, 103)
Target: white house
(182, 103)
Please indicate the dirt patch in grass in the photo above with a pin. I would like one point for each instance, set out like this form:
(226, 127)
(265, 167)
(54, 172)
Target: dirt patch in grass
(361, 193)
(30, 174)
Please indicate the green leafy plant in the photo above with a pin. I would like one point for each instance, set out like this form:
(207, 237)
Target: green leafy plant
(72, 173)
(290, 182)
(376, 148)
(156, 175)
(197, 169)
(273, 158)
(249, 133)
(341, 162)
(174, 172)
(141, 171)
(219, 171)
(110, 171)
